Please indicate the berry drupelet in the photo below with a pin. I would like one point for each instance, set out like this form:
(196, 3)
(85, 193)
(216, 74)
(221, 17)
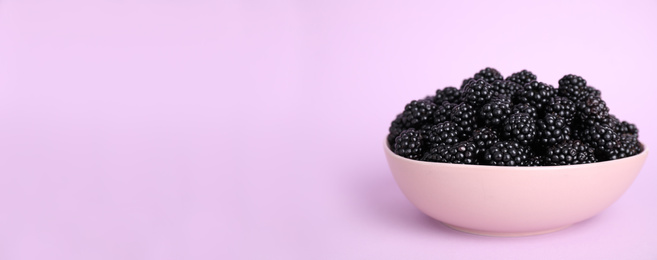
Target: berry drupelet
(506, 153)
(570, 152)
(409, 144)
(417, 113)
(520, 128)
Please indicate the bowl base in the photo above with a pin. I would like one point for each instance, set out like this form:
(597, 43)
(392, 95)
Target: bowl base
(503, 234)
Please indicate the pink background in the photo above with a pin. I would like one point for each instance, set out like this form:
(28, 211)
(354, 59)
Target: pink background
(254, 130)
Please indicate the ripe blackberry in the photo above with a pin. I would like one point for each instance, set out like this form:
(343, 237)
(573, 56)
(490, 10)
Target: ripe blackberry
(523, 77)
(495, 112)
(464, 117)
(489, 75)
(574, 87)
(627, 128)
(464, 152)
(521, 128)
(603, 139)
(477, 92)
(563, 107)
(552, 129)
(570, 152)
(417, 113)
(614, 123)
(525, 108)
(449, 94)
(506, 153)
(535, 160)
(483, 138)
(443, 112)
(444, 133)
(628, 145)
(436, 153)
(505, 87)
(593, 111)
(409, 144)
(465, 82)
(538, 94)
(396, 127)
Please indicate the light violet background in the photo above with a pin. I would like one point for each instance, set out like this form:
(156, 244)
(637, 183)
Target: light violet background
(254, 130)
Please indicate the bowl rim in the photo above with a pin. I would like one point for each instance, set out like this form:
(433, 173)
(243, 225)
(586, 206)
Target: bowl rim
(389, 151)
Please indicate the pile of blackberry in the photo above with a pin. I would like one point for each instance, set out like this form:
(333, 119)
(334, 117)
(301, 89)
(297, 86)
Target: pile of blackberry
(513, 121)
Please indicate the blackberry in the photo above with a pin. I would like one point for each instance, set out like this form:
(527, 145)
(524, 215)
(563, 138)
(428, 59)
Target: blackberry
(496, 111)
(417, 113)
(627, 128)
(505, 87)
(603, 139)
(563, 107)
(628, 145)
(525, 108)
(538, 94)
(436, 153)
(443, 112)
(521, 128)
(535, 160)
(506, 153)
(489, 75)
(477, 92)
(552, 129)
(523, 77)
(574, 87)
(396, 127)
(424, 131)
(464, 152)
(465, 82)
(464, 117)
(614, 123)
(449, 94)
(409, 144)
(445, 133)
(593, 111)
(460, 153)
(483, 138)
(570, 152)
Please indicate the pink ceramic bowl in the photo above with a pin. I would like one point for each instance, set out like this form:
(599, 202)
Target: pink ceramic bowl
(513, 201)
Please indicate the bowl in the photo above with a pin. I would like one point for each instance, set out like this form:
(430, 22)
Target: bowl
(512, 201)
